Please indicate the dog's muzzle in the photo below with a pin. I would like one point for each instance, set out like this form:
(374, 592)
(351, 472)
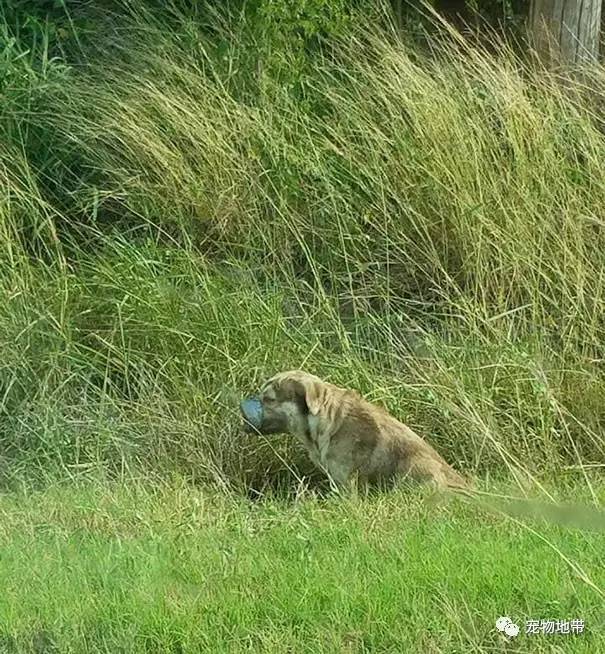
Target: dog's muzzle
(252, 411)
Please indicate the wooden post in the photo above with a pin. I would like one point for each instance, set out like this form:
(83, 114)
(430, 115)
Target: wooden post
(566, 32)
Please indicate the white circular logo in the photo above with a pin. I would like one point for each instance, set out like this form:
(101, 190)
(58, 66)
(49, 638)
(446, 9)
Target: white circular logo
(502, 622)
(511, 629)
(507, 626)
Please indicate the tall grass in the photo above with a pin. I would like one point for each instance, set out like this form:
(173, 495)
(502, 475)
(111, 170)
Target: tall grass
(176, 223)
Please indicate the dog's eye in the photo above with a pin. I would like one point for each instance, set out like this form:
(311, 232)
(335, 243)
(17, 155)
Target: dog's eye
(269, 400)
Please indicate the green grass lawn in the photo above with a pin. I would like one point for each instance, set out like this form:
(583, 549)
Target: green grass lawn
(174, 569)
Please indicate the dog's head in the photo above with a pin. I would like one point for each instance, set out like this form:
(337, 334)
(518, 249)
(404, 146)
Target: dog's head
(285, 403)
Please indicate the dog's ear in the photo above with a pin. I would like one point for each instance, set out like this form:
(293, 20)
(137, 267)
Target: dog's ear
(312, 393)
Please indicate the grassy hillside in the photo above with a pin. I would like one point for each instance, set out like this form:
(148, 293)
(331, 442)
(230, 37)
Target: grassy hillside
(189, 204)
(192, 200)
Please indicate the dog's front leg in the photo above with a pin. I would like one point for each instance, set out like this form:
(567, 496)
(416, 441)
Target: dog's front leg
(346, 480)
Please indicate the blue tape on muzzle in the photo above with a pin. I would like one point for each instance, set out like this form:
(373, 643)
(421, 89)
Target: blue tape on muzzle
(252, 410)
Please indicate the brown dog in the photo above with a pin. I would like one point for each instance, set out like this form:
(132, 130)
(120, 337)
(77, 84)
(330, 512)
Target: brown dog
(346, 436)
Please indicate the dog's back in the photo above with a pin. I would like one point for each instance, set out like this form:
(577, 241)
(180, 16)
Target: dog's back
(385, 447)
